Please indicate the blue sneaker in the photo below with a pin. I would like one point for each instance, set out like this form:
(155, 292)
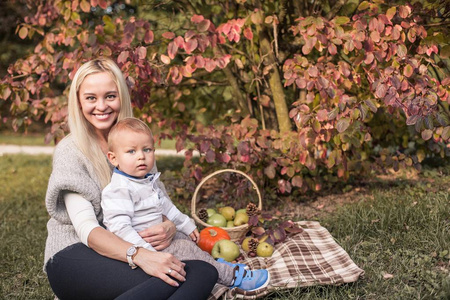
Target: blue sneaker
(251, 280)
(221, 260)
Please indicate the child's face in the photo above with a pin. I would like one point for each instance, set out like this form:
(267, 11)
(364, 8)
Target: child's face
(133, 153)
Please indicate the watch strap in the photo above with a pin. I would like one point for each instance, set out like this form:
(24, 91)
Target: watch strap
(131, 257)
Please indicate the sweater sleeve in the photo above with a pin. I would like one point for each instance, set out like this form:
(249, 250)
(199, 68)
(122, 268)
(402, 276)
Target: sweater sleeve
(118, 212)
(72, 172)
(182, 222)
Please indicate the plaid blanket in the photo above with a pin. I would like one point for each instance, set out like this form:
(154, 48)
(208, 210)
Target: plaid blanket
(309, 258)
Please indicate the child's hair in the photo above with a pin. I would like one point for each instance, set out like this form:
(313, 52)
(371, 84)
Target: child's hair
(127, 124)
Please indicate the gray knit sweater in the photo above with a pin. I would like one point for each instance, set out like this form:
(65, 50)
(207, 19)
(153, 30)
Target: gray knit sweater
(72, 171)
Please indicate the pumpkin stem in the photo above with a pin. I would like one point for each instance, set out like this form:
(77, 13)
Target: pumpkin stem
(213, 232)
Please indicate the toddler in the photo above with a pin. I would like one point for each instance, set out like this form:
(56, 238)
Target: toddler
(133, 201)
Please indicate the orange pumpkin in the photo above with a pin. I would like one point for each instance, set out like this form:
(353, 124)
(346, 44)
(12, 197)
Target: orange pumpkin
(209, 236)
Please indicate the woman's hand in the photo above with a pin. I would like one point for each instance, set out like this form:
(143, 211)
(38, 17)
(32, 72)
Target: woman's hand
(162, 265)
(159, 236)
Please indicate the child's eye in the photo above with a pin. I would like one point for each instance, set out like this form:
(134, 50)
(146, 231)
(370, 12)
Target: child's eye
(131, 151)
(148, 150)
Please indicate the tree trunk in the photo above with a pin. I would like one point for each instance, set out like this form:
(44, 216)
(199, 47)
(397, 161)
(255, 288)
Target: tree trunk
(276, 86)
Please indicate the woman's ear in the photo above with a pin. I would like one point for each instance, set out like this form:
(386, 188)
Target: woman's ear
(112, 158)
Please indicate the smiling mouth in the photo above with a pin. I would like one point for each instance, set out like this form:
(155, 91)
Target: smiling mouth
(102, 116)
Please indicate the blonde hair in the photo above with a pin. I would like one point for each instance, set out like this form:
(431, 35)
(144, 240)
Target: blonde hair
(80, 129)
(127, 124)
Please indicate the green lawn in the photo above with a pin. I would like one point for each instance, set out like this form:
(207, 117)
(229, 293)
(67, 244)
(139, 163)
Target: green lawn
(398, 233)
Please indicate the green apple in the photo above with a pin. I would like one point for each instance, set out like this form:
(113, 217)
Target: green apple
(225, 249)
(217, 220)
(264, 249)
(242, 210)
(211, 211)
(240, 219)
(228, 212)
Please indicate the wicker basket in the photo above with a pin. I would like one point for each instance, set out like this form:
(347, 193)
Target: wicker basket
(235, 233)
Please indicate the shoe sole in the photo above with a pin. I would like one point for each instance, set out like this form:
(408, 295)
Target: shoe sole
(241, 296)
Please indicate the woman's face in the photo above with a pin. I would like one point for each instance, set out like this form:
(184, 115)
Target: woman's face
(100, 102)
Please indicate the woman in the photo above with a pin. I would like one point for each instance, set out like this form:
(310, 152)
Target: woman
(82, 259)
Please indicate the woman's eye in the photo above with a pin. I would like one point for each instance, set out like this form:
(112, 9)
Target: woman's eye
(111, 97)
(90, 98)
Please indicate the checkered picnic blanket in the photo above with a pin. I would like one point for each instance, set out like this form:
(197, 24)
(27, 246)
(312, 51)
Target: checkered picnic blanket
(309, 258)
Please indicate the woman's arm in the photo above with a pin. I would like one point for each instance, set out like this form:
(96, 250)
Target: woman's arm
(106, 243)
(155, 264)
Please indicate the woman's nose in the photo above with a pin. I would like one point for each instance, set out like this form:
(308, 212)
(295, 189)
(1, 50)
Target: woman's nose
(101, 104)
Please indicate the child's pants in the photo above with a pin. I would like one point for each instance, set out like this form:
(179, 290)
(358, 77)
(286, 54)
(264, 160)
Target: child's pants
(183, 248)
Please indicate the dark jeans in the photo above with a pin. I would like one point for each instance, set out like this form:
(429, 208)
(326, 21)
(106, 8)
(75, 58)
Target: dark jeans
(79, 272)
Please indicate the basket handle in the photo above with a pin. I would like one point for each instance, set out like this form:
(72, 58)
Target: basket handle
(194, 197)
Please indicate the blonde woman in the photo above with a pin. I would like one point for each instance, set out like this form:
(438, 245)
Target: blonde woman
(82, 259)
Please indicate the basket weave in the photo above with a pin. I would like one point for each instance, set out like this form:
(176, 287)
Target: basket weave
(235, 233)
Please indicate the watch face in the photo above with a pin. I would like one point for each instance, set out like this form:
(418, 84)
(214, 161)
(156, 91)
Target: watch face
(131, 251)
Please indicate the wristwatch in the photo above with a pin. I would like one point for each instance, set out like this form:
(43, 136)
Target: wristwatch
(131, 253)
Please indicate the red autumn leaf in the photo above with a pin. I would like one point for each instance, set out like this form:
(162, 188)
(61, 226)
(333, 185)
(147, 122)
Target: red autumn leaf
(300, 82)
(369, 58)
(256, 230)
(297, 181)
(210, 65)
(427, 134)
(279, 235)
(123, 56)
(190, 45)
(401, 50)
(103, 4)
(197, 18)
(408, 71)
(248, 33)
(210, 156)
(172, 49)
(322, 115)
(313, 71)
(411, 120)
(342, 124)
(148, 38)
(270, 171)
(203, 25)
(168, 35)
(381, 90)
(390, 13)
(23, 32)
(375, 36)
(332, 49)
(225, 157)
(165, 59)
(142, 52)
(85, 6)
(446, 133)
(404, 11)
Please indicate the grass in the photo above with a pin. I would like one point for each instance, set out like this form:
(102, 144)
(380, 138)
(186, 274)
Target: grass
(398, 233)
